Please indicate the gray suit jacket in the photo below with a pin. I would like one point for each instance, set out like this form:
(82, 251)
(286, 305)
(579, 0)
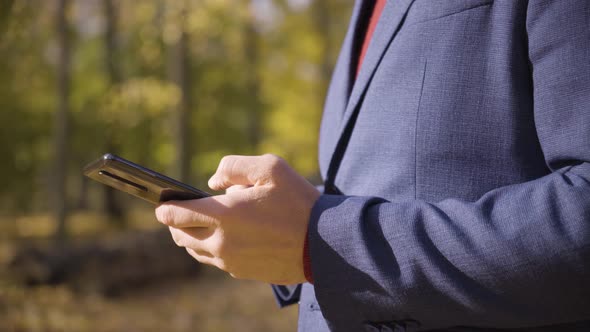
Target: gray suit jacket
(457, 169)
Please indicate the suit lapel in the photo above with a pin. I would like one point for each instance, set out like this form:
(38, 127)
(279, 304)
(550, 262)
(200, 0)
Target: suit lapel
(346, 60)
(391, 19)
(389, 23)
(344, 71)
(340, 85)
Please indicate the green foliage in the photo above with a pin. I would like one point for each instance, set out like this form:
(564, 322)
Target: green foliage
(257, 85)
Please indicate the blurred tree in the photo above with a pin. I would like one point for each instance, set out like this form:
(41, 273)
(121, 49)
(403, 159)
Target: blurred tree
(181, 76)
(5, 9)
(111, 197)
(322, 19)
(174, 92)
(253, 98)
(61, 129)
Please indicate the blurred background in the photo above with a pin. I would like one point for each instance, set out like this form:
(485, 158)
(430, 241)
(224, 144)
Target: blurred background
(173, 85)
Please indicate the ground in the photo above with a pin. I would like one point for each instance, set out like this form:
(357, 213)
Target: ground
(208, 301)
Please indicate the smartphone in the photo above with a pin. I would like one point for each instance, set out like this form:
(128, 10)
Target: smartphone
(139, 181)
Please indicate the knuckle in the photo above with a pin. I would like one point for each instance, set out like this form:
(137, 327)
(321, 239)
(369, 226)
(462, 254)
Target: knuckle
(226, 163)
(193, 254)
(177, 239)
(221, 264)
(271, 158)
(218, 249)
(274, 163)
(223, 161)
(201, 259)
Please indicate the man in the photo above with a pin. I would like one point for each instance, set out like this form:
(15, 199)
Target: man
(456, 163)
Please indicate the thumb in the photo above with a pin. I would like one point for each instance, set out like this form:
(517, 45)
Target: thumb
(241, 170)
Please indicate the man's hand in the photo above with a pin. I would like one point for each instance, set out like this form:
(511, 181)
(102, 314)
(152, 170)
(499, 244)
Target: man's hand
(257, 229)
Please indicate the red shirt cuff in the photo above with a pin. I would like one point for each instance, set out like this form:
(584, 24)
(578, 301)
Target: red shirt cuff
(307, 262)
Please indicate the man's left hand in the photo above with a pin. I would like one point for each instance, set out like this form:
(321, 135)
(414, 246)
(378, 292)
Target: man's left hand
(257, 229)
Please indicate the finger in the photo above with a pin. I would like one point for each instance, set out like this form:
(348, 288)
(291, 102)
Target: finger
(195, 238)
(235, 170)
(236, 187)
(201, 212)
(204, 258)
(244, 170)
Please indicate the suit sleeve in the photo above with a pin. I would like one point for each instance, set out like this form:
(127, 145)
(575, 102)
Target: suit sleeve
(517, 257)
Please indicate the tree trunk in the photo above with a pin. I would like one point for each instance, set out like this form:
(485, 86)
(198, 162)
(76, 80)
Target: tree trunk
(322, 21)
(111, 199)
(181, 75)
(5, 11)
(61, 132)
(83, 198)
(254, 104)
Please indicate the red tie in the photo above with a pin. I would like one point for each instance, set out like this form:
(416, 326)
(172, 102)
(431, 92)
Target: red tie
(377, 9)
